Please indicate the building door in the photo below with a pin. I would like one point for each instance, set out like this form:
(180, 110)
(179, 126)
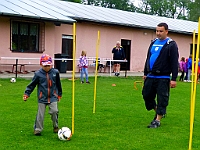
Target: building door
(126, 44)
(67, 49)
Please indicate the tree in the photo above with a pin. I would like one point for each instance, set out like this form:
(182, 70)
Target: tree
(117, 4)
(76, 1)
(166, 8)
(194, 11)
(133, 8)
(181, 9)
(90, 2)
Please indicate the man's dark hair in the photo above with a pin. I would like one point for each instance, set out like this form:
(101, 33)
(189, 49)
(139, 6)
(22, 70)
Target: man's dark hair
(163, 25)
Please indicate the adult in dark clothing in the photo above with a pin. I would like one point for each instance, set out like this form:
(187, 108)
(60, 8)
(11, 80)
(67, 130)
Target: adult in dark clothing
(161, 61)
(118, 54)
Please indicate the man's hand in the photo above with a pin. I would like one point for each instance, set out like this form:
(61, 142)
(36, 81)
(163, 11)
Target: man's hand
(59, 97)
(144, 77)
(172, 84)
(25, 97)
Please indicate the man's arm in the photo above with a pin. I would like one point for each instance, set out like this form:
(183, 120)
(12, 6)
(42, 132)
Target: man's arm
(146, 66)
(174, 56)
(113, 50)
(147, 62)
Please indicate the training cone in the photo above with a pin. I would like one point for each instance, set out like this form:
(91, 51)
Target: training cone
(113, 84)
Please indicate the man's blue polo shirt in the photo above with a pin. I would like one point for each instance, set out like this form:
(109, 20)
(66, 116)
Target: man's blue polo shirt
(155, 52)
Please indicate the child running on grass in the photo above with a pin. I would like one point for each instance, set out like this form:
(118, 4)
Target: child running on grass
(47, 80)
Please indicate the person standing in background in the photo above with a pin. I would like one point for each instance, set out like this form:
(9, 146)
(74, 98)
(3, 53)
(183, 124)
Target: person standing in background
(118, 54)
(83, 65)
(182, 68)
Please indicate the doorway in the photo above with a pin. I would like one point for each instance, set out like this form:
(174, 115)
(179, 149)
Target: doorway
(126, 44)
(67, 49)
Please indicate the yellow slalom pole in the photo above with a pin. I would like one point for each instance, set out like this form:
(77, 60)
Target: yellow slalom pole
(194, 93)
(73, 73)
(193, 54)
(96, 71)
(193, 72)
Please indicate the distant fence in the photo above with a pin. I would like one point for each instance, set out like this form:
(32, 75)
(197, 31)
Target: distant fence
(106, 62)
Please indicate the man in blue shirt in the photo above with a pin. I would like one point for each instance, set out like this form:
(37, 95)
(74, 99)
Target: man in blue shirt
(161, 61)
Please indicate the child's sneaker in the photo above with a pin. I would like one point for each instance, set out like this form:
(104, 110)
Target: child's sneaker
(37, 133)
(82, 82)
(55, 130)
(87, 82)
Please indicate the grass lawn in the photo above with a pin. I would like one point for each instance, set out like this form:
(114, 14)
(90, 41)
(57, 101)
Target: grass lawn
(119, 122)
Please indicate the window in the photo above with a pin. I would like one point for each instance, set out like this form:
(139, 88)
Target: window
(27, 36)
(67, 48)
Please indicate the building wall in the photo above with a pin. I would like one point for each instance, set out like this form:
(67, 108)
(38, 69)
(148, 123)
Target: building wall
(109, 35)
(87, 40)
(183, 42)
(64, 29)
(53, 40)
(140, 40)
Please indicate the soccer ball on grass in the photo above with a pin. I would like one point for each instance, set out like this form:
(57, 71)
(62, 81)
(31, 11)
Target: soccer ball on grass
(64, 134)
(12, 80)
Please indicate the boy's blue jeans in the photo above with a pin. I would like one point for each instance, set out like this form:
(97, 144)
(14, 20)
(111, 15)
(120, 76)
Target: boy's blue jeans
(84, 71)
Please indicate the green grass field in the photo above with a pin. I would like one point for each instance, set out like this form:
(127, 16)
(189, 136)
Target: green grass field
(119, 122)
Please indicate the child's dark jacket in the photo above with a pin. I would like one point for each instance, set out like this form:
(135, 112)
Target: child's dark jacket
(48, 86)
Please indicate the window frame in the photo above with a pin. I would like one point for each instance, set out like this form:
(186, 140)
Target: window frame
(40, 34)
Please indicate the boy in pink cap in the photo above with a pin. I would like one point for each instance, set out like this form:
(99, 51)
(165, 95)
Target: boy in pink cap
(49, 92)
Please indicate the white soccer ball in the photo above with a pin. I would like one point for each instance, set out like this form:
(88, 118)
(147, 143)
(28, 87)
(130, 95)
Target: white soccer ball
(64, 134)
(12, 80)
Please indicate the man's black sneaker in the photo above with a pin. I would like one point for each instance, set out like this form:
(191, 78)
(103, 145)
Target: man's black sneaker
(82, 82)
(87, 82)
(154, 124)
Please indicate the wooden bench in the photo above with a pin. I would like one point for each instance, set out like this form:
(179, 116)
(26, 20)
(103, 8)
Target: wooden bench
(22, 66)
(14, 67)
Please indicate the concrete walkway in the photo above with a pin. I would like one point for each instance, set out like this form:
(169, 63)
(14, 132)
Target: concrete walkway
(69, 74)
